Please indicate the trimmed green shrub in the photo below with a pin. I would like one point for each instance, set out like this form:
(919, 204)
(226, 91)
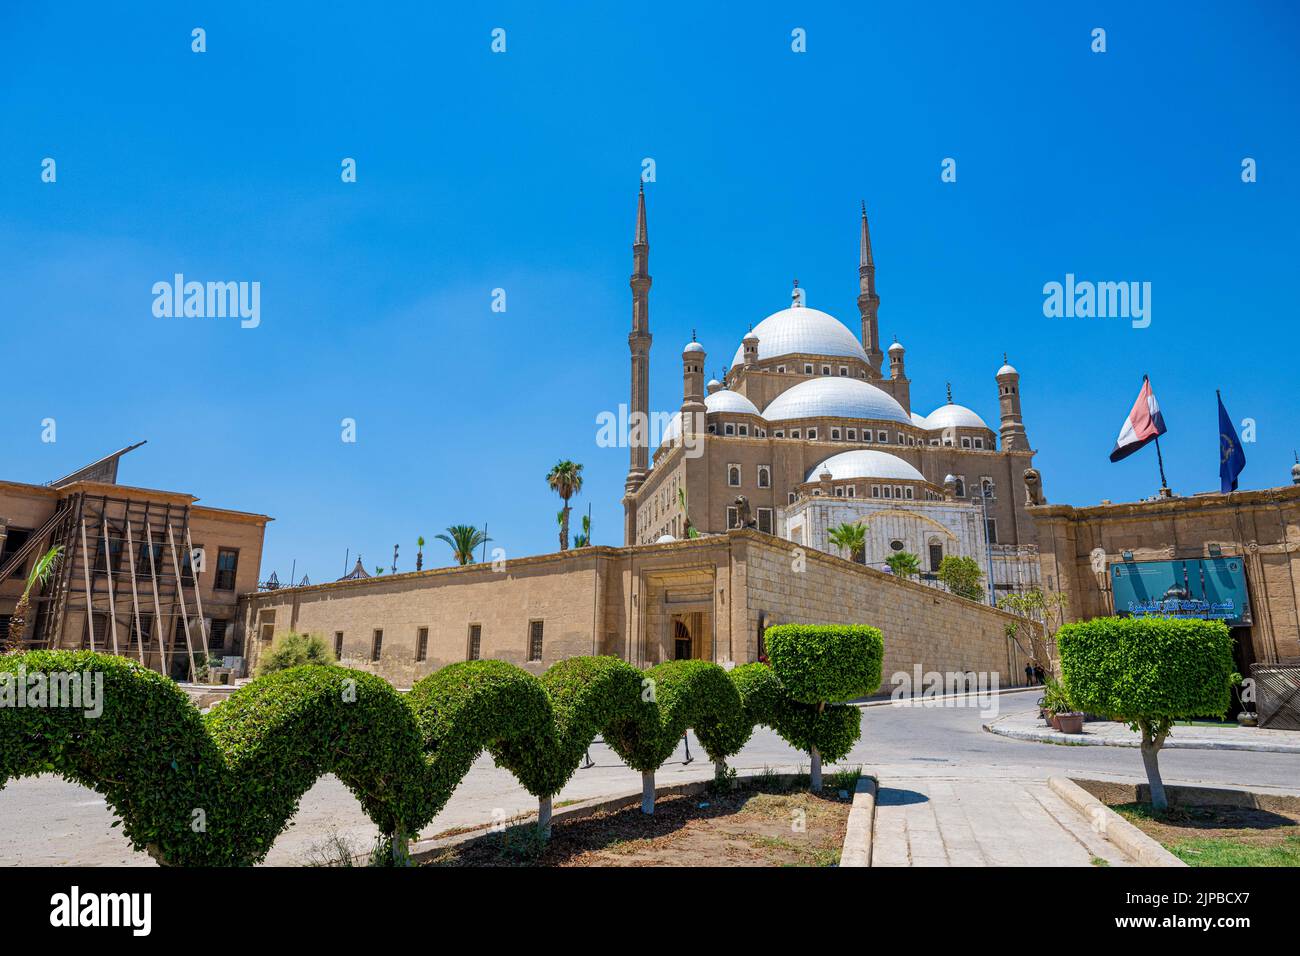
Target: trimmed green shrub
(1148, 672)
(826, 662)
(818, 665)
(962, 576)
(294, 650)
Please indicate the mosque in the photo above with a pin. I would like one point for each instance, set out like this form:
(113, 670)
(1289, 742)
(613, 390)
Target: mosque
(807, 432)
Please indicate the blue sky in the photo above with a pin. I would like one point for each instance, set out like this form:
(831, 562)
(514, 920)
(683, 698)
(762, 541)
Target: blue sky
(519, 170)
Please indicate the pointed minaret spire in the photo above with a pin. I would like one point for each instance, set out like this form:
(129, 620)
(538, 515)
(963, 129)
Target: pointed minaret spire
(868, 301)
(638, 342)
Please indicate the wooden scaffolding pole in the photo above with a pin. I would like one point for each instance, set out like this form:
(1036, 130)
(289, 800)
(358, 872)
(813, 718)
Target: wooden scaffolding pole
(85, 572)
(108, 578)
(163, 663)
(135, 596)
(198, 598)
(180, 593)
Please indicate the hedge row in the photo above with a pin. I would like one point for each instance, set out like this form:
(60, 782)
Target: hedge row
(217, 789)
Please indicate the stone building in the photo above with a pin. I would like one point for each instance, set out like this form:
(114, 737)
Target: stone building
(147, 574)
(1235, 557)
(802, 389)
(709, 598)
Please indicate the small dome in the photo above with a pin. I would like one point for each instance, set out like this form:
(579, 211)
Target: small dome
(714, 384)
(665, 539)
(722, 400)
(804, 331)
(1007, 370)
(896, 347)
(693, 347)
(953, 416)
(866, 463)
(950, 479)
(918, 420)
(834, 397)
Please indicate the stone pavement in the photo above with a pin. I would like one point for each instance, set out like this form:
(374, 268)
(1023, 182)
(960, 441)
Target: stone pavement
(1026, 725)
(930, 821)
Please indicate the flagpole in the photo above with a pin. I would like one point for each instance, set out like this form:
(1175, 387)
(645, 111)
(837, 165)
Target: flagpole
(1164, 486)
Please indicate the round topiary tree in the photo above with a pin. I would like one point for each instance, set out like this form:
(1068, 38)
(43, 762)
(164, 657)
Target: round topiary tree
(818, 665)
(1148, 672)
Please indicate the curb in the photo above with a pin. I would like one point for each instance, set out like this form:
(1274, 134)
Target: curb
(1171, 743)
(1142, 848)
(861, 825)
(918, 700)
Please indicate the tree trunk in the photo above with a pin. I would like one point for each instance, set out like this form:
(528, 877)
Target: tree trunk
(648, 791)
(564, 528)
(720, 769)
(544, 816)
(815, 771)
(17, 627)
(1151, 760)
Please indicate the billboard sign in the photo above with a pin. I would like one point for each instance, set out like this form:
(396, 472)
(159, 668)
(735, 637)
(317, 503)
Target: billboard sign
(1213, 588)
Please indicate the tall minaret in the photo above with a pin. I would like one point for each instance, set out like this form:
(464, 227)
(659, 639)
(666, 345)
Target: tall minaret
(868, 301)
(638, 342)
(1012, 426)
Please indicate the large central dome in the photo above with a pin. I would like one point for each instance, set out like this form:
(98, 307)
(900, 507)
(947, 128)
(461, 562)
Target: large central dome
(802, 331)
(834, 397)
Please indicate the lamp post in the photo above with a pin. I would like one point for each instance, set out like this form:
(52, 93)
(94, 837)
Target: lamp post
(988, 545)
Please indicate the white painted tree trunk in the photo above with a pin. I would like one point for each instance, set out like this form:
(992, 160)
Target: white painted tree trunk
(815, 771)
(544, 815)
(648, 791)
(720, 769)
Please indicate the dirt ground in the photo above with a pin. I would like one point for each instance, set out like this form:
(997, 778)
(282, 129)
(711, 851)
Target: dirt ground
(762, 825)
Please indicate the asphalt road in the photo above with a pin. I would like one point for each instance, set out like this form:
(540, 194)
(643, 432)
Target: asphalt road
(47, 821)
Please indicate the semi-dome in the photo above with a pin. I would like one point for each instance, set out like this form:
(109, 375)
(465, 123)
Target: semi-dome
(866, 463)
(835, 397)
(723, 400)
(803, 331)
(953, 416)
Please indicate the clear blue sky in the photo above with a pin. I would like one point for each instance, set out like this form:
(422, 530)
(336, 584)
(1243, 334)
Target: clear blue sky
(519, 171)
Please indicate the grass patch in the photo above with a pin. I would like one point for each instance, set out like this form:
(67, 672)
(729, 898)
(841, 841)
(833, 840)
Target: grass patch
(1220, 836)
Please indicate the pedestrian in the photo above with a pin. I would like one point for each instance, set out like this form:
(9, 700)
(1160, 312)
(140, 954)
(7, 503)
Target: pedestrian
(1040, 674)
(1029, 674)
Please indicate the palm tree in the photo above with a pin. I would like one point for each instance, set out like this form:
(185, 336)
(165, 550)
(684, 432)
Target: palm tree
(691, 530)
(419, 554)
(583, 540)
(463, 538)
(851, 538)
(565, 479)
(904, 563)
(41, 573)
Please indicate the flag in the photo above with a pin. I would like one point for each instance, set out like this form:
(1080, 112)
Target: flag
(1143, 424)
(1232, 459)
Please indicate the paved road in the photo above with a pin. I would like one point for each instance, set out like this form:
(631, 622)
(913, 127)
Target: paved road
(48, 821)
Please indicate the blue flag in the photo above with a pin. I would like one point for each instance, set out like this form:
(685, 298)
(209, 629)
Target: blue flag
(1231, 457)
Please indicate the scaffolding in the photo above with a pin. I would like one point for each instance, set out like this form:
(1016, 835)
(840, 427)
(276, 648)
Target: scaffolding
(125, 569)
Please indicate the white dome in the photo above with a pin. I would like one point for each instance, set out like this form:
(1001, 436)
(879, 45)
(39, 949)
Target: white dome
(953, 416)
(723, 400)
(1007, 370)
(866, 463)
(713, 382)
(804, 331)
(918, 420)
(896, 347)
(693, 347)
(665, 539)
(834, 397)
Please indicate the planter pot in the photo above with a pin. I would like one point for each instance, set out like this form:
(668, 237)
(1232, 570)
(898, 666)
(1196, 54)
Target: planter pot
(1246, 719)
(1069, 723)
(1055, 721)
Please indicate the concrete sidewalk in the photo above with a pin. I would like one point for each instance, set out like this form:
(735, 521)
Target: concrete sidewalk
(929, 821)
(1105, 733)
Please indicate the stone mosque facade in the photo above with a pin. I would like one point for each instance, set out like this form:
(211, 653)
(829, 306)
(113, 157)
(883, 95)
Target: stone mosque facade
(808, 431)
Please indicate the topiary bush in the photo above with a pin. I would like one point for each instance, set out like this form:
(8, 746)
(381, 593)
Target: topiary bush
(1148, 672)
(818, 665)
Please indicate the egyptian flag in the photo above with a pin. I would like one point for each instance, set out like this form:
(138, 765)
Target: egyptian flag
(1143, 424)
(1232, 459)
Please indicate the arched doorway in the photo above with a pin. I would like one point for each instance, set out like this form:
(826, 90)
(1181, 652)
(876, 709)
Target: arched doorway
(682, 644)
